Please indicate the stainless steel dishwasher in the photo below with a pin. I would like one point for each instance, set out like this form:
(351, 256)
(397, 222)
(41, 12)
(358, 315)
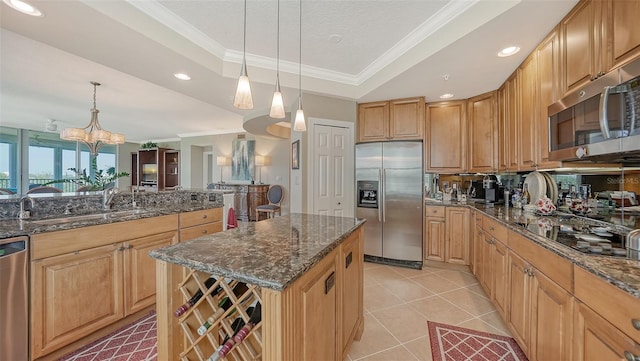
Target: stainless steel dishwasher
(14, 299)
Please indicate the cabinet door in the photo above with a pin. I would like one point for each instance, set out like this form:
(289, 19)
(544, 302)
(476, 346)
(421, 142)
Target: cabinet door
(457, 236)
(351, 262)
(519, 311)
(548, 62)
(86, 284)
(140, 270)
(579, 33)
(446, 137)
(500, 267)
(406, 119)
(373, 121)
(513, 121)
(624, 30)
(486, 279)
(318, 298)
(483, 133)
(435, 239)
(551, 309)
(528, 113)
(478, 238)
(595, 339)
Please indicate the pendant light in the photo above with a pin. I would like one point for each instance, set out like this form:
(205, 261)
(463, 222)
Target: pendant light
(243, 98)
(277, 104)
(299, 125)
(92, 135)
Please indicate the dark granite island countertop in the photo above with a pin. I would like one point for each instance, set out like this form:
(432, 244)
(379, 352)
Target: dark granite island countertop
(270, 254)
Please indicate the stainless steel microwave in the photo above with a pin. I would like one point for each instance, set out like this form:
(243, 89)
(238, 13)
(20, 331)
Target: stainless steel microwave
(599, 123)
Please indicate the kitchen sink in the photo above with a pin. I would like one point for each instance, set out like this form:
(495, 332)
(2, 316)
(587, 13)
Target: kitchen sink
(89, 217)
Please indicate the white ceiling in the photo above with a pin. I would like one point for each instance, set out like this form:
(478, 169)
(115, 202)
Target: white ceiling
(355, 49)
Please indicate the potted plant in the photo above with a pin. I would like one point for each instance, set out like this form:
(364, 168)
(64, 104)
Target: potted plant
(101, 180)
(149, 145)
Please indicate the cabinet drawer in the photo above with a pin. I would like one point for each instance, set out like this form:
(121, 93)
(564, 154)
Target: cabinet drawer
(199, 231)
(615, 305)
(434, 211)
(495, 229)
(553, 266)
(196, 218)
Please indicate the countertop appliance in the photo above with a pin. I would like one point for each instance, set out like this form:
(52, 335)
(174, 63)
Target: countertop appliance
(389, 191)
(492, 189)
(14, 300)
(600, 122)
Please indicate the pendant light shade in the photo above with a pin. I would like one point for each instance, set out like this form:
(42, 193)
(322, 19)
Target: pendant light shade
(243, 98)
(92, 135)
(300, 124)
(277, 103)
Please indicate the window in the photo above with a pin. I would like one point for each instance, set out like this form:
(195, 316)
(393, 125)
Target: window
(9, 159)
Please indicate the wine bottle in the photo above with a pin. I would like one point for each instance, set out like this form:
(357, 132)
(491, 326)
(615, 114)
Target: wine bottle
(229, 342)
(192, 301)
(237, 323)
(224, 305)
(255, 317)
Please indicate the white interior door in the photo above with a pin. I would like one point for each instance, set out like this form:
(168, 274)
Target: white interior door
(333, 168)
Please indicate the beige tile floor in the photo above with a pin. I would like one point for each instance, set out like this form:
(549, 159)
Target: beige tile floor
(399, 301)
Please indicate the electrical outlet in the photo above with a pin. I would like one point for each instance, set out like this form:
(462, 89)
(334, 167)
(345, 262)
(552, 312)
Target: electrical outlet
(212, 197)
(194, 197)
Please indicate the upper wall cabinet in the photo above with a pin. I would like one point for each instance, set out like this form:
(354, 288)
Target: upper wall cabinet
(446, 137)
(483, 133)
(596, 37)
(508, 121)
(400, 119)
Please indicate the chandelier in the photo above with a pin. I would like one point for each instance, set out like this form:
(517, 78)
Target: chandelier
(92, 135)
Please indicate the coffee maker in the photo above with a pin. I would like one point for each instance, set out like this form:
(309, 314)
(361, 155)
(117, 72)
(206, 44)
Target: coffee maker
(491, 186)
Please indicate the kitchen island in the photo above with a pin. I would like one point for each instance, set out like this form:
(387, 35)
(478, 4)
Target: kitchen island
(305, 271)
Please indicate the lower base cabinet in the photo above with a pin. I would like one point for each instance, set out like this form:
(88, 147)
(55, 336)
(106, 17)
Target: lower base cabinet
(447, 234)
(519, 314)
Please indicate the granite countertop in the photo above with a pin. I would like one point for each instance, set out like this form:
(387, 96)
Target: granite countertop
(270, 253)
(620, 272)
(15, 227)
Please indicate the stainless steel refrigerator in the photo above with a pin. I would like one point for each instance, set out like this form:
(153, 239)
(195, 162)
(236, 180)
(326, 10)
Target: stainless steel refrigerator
(389, 194)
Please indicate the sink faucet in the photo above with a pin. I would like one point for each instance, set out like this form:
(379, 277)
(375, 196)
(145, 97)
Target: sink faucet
(23, 214)
(107, 197)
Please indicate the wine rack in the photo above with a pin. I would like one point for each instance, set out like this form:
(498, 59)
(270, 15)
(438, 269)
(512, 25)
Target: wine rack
(234, 300)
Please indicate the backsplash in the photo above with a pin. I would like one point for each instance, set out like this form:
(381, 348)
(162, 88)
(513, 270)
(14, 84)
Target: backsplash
(48, 206)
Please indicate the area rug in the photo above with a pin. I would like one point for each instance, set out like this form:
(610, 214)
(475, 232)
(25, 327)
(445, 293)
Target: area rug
(451, 343)
(133, 342)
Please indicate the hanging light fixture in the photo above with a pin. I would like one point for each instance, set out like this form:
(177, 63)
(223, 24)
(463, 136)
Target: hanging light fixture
(299, 124)
(243, 98)
(277, 104)
(92, 135)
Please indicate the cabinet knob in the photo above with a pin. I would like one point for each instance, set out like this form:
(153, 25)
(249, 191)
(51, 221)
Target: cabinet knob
(204, 216)
(631, 357)
(121, 248)
(636, 323)
(204, 231)
(435, 211)
(491, 228)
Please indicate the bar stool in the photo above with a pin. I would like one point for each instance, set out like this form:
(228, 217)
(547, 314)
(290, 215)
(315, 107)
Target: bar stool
(274, 195)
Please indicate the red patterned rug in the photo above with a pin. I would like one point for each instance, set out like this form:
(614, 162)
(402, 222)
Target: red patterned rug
(134, 342)
(451, 343)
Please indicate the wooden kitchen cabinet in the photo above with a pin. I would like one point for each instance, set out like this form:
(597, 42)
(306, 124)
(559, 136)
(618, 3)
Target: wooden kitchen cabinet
(398, 119)
(508, 125)
(597, 37)
(72, 269)
(434, 226)
(200, 223)
(446, 137)
(457, 235)
(350, 291)
(483, 133)
(519, 314)
(528, 140)
(493, 269)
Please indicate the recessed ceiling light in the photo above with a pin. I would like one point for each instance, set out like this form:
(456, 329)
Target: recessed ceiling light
(182, 76)
(446, 96)
(508, 51)
(23, 7)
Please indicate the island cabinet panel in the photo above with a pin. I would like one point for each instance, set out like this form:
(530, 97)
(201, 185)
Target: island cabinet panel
(200, 223)
(350, 294)
(73, 295)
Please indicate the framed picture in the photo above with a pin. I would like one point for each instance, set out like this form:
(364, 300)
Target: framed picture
(295, 155)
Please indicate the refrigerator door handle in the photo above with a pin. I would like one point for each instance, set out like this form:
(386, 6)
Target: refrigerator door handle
(384, 201)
